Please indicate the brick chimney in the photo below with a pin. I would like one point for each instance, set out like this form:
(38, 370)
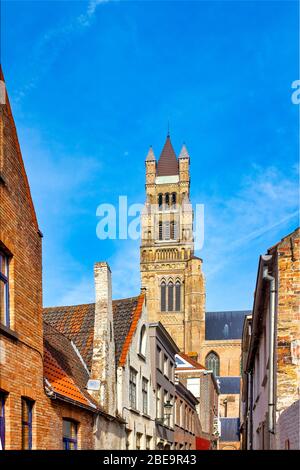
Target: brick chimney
(102, 384)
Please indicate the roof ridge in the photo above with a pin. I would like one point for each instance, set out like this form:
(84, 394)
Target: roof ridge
(68, 306)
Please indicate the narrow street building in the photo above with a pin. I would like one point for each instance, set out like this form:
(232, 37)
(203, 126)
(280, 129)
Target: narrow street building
(271, 374)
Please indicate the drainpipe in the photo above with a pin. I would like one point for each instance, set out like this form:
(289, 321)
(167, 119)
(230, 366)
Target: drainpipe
(250, 377)
(271, 403)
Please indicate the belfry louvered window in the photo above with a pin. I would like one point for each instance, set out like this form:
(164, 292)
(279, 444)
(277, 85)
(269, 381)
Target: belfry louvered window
(160, 201)
(170, 296)
(177, 296)
(167, 230)
(163, 297)
(212, 362)
(160, 230)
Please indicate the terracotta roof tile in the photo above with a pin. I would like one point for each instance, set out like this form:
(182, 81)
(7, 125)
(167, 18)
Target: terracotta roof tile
(77, 324)
(63, 368)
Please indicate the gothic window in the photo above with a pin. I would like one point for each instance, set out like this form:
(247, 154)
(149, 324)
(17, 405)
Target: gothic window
(167, 199)
(167, 231)
(177, 296)
(174, 200)
(160, 201)
(170, 296)
(172, 230)
(212, 362)
(163, 296)
(160, 230)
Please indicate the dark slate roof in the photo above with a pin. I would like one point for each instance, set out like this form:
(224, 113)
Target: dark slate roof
(123, 311)
(77, 323)
(230, 429)
(167, 164)
(229, 385)
(225, 325)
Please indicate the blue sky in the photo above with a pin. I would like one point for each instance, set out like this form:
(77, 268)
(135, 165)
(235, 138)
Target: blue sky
(93, 84)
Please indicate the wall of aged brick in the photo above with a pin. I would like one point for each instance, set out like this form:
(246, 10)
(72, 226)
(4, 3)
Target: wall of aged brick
(21, 346)
(288, 321)
(21, 359)
(288, 426)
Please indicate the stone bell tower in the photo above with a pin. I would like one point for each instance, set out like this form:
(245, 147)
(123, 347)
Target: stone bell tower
(170, 272)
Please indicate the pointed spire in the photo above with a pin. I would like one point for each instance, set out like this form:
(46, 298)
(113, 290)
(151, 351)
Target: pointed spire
(183, 152)
(150, 156)
(167, 164)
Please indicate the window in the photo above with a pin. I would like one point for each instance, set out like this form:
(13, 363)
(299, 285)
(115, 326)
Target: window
(2, 420)
(160, 201)
(170, 296)
(132, 388)
(69, 434)
(148, 442)
(177, 296)
(167, 230)
(212, 362)
(167, 199)
(172, 230)
(138, 440)
(173, 200)
(27, 406)
(166, 365)
(142, 347)
(159, 359)
(4, 289)
(163, 296)
(160, 230)
(158, 402)
(145, 395)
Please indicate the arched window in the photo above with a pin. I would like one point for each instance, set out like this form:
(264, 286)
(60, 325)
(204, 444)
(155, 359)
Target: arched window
(173, 200)
(212, 362)
(163, 296)
(177, 296)
(167, 199)
(142, 346)
(170, 296)
(172, 231)
(160, 201)
(160, 230)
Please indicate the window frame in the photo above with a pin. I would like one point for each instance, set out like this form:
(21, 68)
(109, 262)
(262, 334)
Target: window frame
(70, 440)
(163, 296)
(145, 388)
(4, 279)
(28, 423)
(212, 355)
(3, 397)
(133, 388)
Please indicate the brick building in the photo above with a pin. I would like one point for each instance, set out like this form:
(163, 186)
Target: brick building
(271, 349)
(43, 399)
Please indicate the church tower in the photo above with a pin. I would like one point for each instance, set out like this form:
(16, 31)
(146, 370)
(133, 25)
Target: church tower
(170, 272)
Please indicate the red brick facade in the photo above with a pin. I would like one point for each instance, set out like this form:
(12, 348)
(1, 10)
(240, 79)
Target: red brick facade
(21, 331)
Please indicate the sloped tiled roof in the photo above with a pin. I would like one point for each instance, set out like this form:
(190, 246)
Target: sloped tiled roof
(64, 369)
(126, 313)
(167, 164)
(77, 323)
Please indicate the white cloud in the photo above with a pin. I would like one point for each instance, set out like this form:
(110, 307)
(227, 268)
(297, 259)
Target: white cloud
(265, 202)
